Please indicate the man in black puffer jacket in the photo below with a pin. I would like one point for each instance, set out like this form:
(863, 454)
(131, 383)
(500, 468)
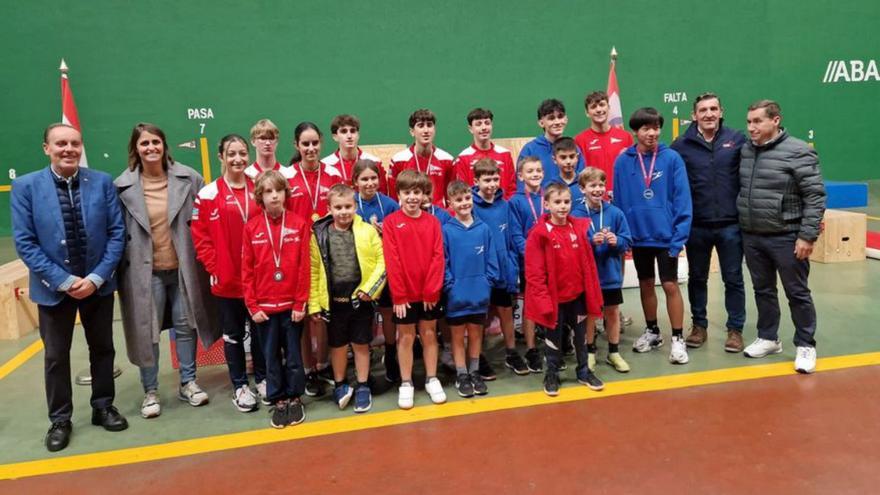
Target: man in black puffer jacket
(781, 204)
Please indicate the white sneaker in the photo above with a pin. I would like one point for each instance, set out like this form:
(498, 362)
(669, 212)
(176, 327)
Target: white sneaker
(648, 341)
(435, 390)
(193, 394)
(762, 347)
(150, 407)
(261, 391)
(406, 393)
(244, 399)
(805, 359)
(678, 353)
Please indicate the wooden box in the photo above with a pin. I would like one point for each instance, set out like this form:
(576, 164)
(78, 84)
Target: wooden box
(18, 312)
(842, 238)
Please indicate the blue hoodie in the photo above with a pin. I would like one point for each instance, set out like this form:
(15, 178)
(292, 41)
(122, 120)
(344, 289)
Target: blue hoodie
(440, 213)
(609, 259)
(497, 216)
(663, 221)
(522, 218)
(379, 205)
(542, 148)
(471, 267)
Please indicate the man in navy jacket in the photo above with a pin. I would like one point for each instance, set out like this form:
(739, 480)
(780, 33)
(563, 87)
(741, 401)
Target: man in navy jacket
(68, 230)
(711, 154)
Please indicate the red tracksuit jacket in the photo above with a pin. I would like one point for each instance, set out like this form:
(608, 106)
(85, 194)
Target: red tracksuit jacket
(464, 166)
(414, 258)
(438, 167)
(308, 189)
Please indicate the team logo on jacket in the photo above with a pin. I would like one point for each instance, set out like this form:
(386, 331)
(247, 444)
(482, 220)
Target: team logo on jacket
(594, 141)
(215, 214)
(657, 175)
(479, 249)
(286, 231)
(434, 170)
(728, 144)
(502, 227)
(615, 140)
(259, 234)
(401, 225)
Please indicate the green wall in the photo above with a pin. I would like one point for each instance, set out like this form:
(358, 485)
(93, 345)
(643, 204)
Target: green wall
(293, 61)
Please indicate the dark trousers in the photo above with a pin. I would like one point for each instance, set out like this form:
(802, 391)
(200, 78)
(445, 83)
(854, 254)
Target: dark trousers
(728, 242)
(568, 318)
(767, 255)
(234, 317)
(56, 330)
(280, 336)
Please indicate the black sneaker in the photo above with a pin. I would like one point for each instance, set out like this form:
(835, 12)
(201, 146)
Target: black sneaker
(296, 413)
(551, 384)
(486, 371)
(588, 378)
(464, 386)
(516, 363)
(314, 385)
(534, 361)
(480, 387)
(326, 375)
(279, 414)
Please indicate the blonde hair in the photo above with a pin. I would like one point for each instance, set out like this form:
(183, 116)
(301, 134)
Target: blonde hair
(264, 128)
(591, 174)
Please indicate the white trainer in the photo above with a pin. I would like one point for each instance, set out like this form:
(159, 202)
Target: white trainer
(150, 407)
(193, 394)
(261, 391)
(244, 399)
(406, 394)
(435, 390)
(678, 353)
(805, 360)
(762, 347)
(648, 341)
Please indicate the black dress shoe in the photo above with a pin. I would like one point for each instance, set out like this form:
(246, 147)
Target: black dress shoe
(58, 436)
(109, 418)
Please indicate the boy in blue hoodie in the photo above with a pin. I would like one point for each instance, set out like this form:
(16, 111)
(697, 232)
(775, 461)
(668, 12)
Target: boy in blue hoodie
(552, 119)
(471, 272)
(610, 237)
(491, 208)
(651, 187)
(566, 157)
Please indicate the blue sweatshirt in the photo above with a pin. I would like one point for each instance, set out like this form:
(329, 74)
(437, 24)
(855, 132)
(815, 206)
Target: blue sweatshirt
(661, 218)
(471, 267)
(497, 216)
(543, 149)
(522, 218)
(440, 213)
(379, 205)
(609, 259)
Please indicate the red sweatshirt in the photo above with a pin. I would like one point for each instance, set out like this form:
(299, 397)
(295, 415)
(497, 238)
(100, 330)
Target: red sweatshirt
(464, 166)
(261, 291)
(600, 149)
(345, 167)
(308, 196)
(548, 280)
(438, 167)
(414, 257)
(254, 170)
(217, 230)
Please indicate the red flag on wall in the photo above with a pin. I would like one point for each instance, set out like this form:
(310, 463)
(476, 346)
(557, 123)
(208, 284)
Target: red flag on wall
(68, 109)
(615, 112)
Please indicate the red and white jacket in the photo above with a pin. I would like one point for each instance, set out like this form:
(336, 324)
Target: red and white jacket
(217, 230)
(414, 259)
(308, 190)
(345, 167)
(261, 291)
(254, 170)
(464, 166)
(438, 166)
(600, 149)
(543, 270)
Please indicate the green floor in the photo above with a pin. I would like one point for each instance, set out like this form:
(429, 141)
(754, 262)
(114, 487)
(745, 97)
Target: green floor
(846, 325)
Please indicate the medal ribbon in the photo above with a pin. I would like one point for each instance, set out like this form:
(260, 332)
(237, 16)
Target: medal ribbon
(649, 174)
(313, 199)
(276, 258)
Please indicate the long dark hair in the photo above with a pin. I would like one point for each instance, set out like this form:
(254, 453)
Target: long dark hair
(301, 128)
(134, 159)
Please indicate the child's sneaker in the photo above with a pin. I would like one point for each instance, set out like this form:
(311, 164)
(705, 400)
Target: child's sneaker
(261, 391)
(762, 347)
(480, 387)
(534, 361)
(463, 385)
(363, 399)
(342, 394)
(296, 412)
(515, 362)
(486, 370)
(279, 414)
(192, 394)
(678, 353)
(244, 399)
(406, 395)
(591, 361)
(435, 390)
(150, 407)
(648, 341)
(588, 378)
(805, 359)
(314, 385)
(551, 384)
(617, 362)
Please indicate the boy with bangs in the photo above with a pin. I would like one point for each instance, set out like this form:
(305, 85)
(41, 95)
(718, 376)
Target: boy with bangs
(480, 126)
(413, 247)
(346, 131)
(566, 157)
(600, 144)
(264, 138)
(552, 119)
(423, 157)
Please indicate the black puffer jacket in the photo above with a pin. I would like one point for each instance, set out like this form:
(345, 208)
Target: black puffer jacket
(781, 188)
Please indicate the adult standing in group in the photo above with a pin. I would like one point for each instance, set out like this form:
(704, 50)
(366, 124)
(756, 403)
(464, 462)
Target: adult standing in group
(68, 230)
(711, 153)
(157, 196)
(781, 204)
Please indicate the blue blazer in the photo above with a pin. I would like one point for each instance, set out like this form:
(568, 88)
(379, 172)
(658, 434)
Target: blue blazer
(38, 231)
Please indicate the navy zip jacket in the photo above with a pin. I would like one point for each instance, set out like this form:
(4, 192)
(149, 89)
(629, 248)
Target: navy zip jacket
(471, 267)
(497, 216)
(713, 174)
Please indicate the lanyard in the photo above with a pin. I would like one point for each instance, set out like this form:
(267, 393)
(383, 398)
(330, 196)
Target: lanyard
(312, 198)
(342, 163)
(649, 174)
(532, 206)
(378, 200)
(416, 157)
(601, 215)
(245, 212)
(276, 258)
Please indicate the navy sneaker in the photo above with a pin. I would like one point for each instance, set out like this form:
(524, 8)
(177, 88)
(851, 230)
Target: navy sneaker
(463, 385)
(480, 387)
(588, 378)
(363, 399)
(342, 394)
(551, 384)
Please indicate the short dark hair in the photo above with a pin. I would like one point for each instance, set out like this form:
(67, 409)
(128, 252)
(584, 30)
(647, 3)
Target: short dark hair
(550, 106)
(645, 116)
(479, 114)
(555, 187)
(708, 95)
(595, 97)
(422, 115)
(457, 187)
(564, 144)
(485, 166)
(771, 108)
(344, 120)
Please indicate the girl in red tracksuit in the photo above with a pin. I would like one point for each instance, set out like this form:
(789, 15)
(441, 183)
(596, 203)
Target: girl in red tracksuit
(562, 283)
(275, 275)
(222, 208)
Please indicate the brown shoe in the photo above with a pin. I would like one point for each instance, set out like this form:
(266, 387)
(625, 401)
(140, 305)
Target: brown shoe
(697, 337)
(734, 342)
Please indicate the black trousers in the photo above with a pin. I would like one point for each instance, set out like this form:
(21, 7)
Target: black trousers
(567, 318)
(56, 330)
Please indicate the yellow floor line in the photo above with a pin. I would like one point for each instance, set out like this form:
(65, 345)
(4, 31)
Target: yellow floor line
(397, 417)
(872, 218)
(20, 358)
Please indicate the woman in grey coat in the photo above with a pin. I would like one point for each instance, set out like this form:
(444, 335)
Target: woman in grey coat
(159, 267)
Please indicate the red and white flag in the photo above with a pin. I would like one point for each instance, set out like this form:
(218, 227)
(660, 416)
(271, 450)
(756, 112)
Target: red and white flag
(68, 109)
(615, 112)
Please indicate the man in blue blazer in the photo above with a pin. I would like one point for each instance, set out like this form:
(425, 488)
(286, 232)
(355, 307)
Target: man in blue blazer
(69, 231)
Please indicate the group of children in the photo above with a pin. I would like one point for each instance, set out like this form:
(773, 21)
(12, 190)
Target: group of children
(305, 255)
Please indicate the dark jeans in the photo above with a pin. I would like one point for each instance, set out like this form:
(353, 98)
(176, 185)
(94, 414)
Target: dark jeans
(728, 242)
(280, 336)
(233, 318)
(56, 330)
(767, 255)
(568, 316)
